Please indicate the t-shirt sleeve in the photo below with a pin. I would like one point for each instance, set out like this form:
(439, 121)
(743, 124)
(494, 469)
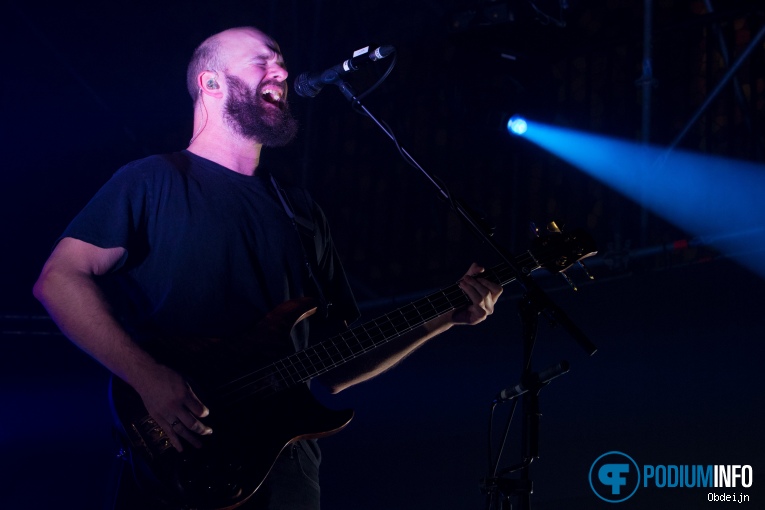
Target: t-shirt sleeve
(114, 215)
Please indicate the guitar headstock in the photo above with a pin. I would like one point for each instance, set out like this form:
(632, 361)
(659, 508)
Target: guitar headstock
(557, 251)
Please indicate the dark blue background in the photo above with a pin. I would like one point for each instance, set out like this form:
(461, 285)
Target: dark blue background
(677, 379)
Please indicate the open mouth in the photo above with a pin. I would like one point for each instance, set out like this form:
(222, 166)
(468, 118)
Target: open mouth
(272, 95)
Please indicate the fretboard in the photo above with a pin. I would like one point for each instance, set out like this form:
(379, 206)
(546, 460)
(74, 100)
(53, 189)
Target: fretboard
(354, 342)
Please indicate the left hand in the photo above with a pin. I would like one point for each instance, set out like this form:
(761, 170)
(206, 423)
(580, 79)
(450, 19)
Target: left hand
(483, 294)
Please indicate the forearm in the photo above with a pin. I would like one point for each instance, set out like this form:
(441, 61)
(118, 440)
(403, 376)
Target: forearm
(482, 293)
(383, 358)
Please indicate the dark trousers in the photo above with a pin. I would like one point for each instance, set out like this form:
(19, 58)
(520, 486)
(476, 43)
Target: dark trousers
(293, 484)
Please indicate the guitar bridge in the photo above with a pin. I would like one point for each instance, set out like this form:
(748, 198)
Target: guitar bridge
(145, 435)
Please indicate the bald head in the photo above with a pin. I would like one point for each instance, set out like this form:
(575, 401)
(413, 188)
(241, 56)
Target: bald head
(215, 52)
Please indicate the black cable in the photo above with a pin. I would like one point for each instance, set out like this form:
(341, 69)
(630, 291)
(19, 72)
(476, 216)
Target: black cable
(382, 79)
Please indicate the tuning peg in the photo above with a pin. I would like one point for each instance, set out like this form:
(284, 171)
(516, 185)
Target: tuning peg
(586, 271)
(568, 280)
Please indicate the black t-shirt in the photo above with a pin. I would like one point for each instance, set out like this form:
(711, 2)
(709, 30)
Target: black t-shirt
(209, 251)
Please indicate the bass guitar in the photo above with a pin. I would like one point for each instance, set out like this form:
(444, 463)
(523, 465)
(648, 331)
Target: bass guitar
(257, 409)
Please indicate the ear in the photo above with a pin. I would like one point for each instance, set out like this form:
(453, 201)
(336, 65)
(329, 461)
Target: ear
(208, 84)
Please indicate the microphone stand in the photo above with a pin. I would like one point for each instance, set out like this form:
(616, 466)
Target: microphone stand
(535, 301)
(496, 486)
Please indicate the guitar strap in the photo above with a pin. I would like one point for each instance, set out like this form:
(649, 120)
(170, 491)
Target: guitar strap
(307, 225)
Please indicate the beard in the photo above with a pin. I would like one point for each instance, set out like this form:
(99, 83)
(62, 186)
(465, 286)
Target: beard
(246, 112)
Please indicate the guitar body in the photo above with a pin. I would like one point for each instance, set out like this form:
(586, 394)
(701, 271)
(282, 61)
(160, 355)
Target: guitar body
(253, 419)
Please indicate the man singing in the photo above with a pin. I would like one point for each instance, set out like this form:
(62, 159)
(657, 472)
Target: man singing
(203, 243)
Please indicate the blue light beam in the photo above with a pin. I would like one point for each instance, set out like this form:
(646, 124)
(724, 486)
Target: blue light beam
(717, 199)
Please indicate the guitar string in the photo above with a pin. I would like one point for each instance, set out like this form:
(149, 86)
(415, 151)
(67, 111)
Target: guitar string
(318, 365)
(354, 335)
(397, 323)
(302, 365)
(354, 340)
(312, 361)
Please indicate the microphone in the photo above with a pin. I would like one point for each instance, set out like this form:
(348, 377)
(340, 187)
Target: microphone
(536, 381)
(310, 84)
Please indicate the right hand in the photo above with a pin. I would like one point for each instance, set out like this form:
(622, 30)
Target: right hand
(174, 406)
(68, 289)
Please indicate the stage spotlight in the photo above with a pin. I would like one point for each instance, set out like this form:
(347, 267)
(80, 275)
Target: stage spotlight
(517, 125)
(716, 199)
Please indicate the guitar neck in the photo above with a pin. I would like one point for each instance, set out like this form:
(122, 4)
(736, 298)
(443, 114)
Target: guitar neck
(356, 341)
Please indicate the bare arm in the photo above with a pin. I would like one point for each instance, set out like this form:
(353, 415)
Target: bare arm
(482, 293)
(68, 290)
